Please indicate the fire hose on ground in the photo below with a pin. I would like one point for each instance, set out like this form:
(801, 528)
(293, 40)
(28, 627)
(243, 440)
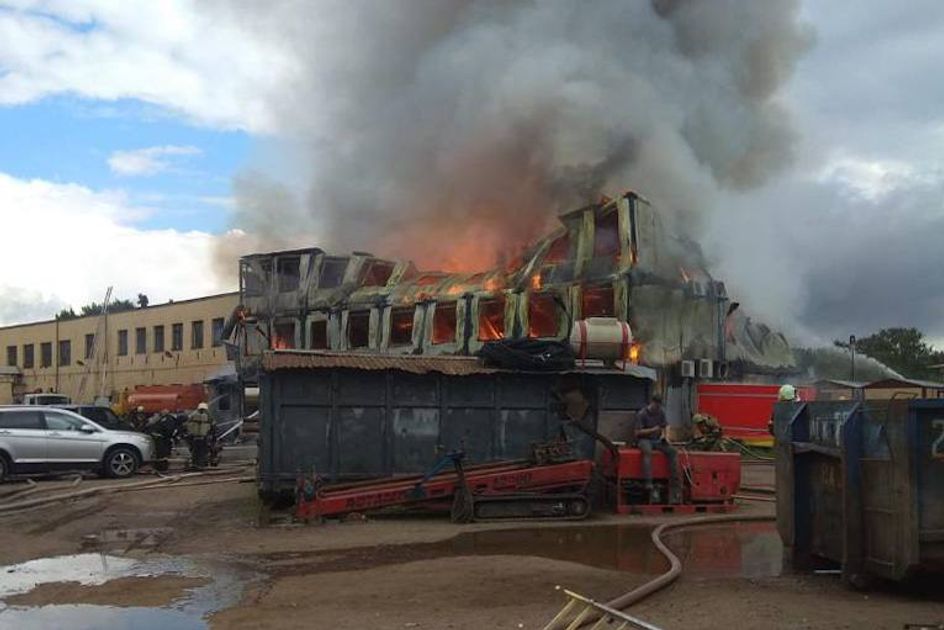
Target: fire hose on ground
(675, 565)
(161, 482)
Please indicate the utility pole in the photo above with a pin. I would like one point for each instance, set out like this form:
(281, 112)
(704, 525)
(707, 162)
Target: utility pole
(852, 349)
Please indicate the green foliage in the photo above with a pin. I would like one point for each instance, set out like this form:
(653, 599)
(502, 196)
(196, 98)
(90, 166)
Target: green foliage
(95, 308)
(902, 349)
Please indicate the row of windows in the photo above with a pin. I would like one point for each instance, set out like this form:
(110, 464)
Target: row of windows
(544, 321)
(158, 344)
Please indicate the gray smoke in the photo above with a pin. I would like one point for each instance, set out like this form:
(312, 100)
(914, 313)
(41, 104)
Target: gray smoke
(414, 121)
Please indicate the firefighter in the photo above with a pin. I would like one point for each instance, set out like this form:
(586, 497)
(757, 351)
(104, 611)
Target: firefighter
(138, 418)
(787, 393)
(199, 427)
(650, 436)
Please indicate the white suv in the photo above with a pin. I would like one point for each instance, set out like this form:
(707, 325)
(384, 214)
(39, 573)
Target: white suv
(37, 439)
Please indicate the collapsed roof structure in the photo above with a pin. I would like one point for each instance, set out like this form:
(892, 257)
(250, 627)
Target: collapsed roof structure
(609, 259)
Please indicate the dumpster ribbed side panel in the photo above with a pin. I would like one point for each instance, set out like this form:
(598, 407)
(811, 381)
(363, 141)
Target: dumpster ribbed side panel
(863, 485)
(344, 423)
(926, 429)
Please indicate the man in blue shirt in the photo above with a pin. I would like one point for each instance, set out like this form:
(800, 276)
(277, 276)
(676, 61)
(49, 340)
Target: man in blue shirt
(650, 436)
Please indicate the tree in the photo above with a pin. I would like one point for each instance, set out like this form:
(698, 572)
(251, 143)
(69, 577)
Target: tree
(142, 300)
(66, 313)
(95, 308)
(902, 349)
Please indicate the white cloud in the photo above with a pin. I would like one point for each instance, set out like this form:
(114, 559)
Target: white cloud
(149, 161)
(206, 66)
(873, 180)
(74, 242)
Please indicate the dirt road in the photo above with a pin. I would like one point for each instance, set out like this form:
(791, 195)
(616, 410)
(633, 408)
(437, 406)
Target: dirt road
(414, 571)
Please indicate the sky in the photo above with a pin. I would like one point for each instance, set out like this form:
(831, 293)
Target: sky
(130, 129)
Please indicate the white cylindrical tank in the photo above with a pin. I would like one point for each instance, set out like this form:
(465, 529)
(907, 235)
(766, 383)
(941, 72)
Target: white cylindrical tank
(604, 338)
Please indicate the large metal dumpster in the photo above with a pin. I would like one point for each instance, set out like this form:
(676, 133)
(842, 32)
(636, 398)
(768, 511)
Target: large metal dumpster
(357, 416)
(862, 485)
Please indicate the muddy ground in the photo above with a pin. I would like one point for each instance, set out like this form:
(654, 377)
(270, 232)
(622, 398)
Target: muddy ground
(408, 571)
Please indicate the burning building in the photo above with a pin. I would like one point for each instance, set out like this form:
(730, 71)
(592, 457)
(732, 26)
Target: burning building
(613, 258)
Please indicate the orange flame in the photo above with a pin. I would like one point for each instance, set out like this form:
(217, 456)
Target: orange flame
(634, 350)
(280, 343)
(494, 283)
(536, 282)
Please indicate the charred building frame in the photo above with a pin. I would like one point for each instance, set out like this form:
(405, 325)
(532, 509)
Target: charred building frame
(610, 259)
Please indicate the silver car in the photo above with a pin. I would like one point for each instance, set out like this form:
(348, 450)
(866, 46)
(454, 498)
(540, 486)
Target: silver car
(36, 439)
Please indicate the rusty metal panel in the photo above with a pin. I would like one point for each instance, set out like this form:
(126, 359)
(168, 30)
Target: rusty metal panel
(309, 359)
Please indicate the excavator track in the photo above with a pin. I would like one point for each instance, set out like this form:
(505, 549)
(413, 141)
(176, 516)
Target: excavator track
(517, 507)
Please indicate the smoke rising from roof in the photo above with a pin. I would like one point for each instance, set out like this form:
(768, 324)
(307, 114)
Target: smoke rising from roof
(417, 121)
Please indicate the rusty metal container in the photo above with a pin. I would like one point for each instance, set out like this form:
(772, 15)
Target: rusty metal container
(349, 416)
(862, 485)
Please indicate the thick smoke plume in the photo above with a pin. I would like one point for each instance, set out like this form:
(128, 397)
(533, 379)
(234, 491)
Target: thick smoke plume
(450, 131)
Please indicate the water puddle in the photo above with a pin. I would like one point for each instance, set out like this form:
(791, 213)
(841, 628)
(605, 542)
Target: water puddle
(88, 617)
(748, 550)
(735, 550)
(219, 586)
(128, 539)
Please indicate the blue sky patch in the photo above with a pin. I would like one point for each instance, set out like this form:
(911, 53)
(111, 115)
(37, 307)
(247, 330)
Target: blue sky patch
(70, 140)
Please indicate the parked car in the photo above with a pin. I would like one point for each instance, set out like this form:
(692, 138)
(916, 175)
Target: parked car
(46, 399)
(37, 439)
(102, 416)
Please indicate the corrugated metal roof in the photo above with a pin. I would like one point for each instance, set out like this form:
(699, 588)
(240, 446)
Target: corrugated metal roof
(301, 359)
(456, 366)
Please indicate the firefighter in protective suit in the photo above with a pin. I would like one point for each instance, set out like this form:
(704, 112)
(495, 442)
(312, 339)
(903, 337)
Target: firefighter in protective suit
(199, 428)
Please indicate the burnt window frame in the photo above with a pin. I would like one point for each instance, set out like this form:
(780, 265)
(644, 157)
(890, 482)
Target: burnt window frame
(332, 262)
(369, 270)
(402, 310)
(311, 334)
(12, 356)
(533, 299)
(551, 257)
(29, 356)
(291, 337)
(440, 310)
(504, 307)
(601, 247)
(254, 284)
(358, 314)
(584, 291)
(89, 345)
(288, 282)
(123, 342)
